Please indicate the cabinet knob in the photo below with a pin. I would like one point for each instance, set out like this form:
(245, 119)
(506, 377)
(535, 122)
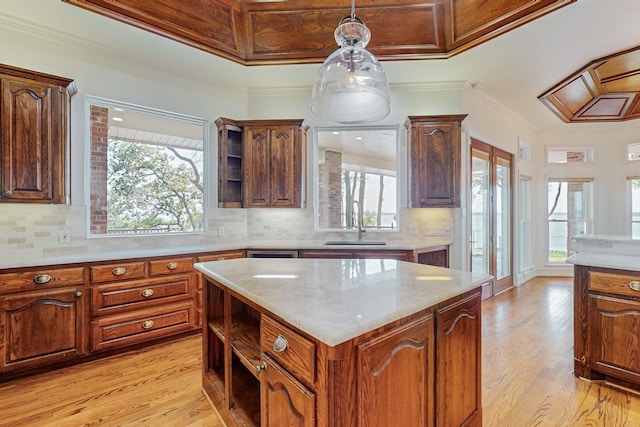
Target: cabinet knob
(42, 279)
(172, 265)
(280, 344)
(147, 324)
(147, 293)
(78, 293)
(635, 285)
(118, 271)
(261, 367)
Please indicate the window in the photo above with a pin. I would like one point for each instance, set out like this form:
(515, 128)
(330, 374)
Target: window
(357, 178)
(569, 214)
(564, 156)
(633, 152)
(525, 221)
(634, 185)
(146, 170)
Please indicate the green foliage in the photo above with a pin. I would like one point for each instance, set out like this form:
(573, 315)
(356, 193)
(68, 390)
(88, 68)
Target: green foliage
(150, 187)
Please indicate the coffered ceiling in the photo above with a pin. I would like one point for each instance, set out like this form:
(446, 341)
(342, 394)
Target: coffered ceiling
(254, 32)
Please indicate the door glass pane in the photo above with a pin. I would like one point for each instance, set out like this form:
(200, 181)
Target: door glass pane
(567, 216)
(525, 222)
(635, 208)
(503, 218)
(480, 213)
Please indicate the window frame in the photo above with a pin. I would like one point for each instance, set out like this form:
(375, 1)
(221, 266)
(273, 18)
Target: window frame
(205, 124)
(589, 156)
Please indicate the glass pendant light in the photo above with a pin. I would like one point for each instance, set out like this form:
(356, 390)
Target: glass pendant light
(351, 86)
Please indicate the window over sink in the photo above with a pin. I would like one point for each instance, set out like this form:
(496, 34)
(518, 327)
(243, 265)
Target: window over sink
(357, 185)
(146, 168)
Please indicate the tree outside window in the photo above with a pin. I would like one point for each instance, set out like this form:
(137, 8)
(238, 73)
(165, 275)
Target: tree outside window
(568, 215)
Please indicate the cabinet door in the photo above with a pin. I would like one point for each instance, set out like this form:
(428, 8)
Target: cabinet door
(32, 142)
(284, 164)
(458, 367)
(257, 167)
(41, 328)
(398, 363)
(285, 401)
(434, 159)
(613, 331)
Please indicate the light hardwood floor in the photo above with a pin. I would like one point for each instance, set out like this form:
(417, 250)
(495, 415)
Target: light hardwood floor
(527, 377)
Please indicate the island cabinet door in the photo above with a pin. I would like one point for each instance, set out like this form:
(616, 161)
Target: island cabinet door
(458, 367)
(396, 377)
(614, 330)
(285, 401)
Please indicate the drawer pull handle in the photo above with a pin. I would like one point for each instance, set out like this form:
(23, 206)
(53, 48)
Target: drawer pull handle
(147, 293)
(147, 324)
(261, 367)
(635, 285)
(118, 271)
(280, 344)
(172, 265)
(42, 279)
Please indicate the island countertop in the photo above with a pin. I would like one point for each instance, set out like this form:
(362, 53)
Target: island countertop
(335, 300)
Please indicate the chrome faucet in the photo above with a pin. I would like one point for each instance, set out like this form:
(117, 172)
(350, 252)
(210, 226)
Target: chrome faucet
(360, 217)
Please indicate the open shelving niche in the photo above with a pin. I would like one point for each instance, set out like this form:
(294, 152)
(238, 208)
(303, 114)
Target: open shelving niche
(234, 353)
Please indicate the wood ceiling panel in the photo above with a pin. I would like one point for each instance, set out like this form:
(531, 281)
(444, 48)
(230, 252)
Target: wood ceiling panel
(301, 31)
(615, 90)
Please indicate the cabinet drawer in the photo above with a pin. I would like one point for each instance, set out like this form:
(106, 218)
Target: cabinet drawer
(221, 256)
(142, 325)
(116, 297)
(298, 355)
(120, 271)
(617, 284)
(41, 279)
(171, 266)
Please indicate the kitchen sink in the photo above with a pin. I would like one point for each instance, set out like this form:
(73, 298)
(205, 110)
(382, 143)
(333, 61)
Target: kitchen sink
(352, 243)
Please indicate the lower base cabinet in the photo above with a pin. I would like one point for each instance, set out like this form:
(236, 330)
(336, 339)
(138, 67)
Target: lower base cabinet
(418, 371)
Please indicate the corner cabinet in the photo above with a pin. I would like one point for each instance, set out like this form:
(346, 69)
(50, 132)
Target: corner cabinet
(262, 163)
(434, 148)
(34, 111)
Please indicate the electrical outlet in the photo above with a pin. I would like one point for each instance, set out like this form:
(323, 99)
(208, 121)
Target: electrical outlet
(64, 237)
(437, 231)
(220, 231)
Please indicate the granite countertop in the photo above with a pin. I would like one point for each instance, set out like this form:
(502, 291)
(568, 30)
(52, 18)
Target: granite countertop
(606, 251)
(17, 260)
(335, 300)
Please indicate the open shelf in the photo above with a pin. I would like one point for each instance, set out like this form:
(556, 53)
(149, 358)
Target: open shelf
(245, 341)
(245, 404)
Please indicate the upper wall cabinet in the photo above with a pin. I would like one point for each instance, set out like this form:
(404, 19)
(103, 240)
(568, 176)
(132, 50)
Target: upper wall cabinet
(263, 158)
(434, 144)
(34, 109)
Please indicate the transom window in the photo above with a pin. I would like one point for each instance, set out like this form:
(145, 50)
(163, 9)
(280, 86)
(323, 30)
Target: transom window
(564, 156)
(146, 169)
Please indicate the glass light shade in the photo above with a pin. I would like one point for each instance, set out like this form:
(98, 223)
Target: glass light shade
(351, 85)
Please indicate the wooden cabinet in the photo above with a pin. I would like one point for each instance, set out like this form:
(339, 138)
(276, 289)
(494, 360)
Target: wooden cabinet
(458, 366)
(43, 316)
(606, 325)
(400, 255)
(141, 300)
(393, 364)
(437, 256)
(229, 163)
(434, 148)
(423, 370)
(34, 110)
(261, 163)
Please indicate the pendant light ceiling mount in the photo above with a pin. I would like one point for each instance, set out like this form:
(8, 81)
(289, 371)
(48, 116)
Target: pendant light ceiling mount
(351, 86)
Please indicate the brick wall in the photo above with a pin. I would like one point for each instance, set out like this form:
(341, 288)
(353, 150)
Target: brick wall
(330, 190)
(98, 197)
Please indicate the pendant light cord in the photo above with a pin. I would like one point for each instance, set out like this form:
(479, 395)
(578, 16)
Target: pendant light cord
(353, 10)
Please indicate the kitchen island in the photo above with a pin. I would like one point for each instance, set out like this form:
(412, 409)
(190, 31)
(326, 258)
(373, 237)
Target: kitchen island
(341, 342)
(607, 309)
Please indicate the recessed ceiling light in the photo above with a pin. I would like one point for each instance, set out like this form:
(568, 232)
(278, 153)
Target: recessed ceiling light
(358, 138)
(335, 133)
(118, 109)
(117, 119)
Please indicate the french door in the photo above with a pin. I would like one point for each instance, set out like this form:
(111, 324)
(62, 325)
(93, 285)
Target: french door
(491, 242)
